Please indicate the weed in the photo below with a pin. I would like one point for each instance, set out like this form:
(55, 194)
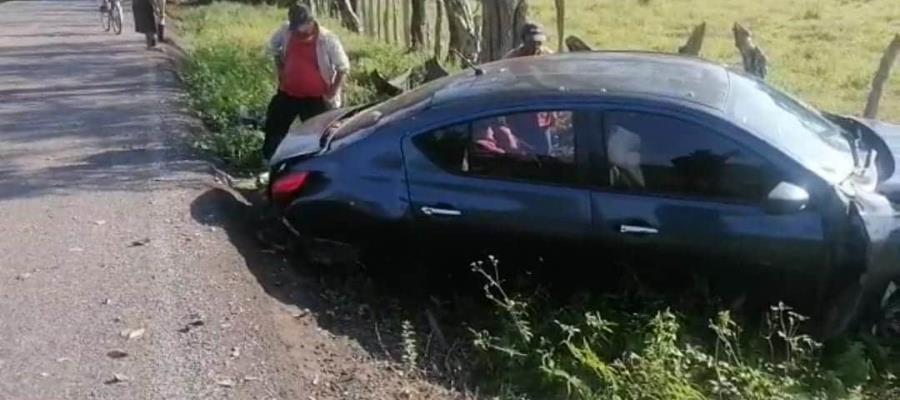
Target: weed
(812, 13)
(410, 346)
(605, 350)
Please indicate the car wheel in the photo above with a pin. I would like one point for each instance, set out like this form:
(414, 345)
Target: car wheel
(888, 322)
(873, 307)
(841, 311)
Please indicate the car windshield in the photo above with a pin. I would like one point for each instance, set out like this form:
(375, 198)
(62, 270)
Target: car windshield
(791, 125)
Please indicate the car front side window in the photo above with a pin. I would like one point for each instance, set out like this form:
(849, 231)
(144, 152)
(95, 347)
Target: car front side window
(656, 154)
(531, 146)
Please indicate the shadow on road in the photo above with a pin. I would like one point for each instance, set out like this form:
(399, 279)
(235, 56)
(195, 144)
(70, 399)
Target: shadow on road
(347, 301)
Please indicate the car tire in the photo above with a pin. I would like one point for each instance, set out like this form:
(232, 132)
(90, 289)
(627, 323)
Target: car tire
(860, 305)
(841, 311)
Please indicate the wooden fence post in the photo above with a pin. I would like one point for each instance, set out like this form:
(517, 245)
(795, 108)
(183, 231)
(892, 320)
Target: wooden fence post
(695, 41)
(881, 76)
(560, 24)
(755, 61)
(574, 43)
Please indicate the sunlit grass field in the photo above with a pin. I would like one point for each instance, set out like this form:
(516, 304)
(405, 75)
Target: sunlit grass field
(824, 51)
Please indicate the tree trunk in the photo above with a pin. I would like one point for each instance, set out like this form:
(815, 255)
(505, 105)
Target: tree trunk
(560, 25)
(438, 28)
(349, 19)
(462, 32)
(386, 21)
(404, 7)
(395, 21)
(417, 25)
(376, 19)
(501, 21)
(881, 77)
(695, 41)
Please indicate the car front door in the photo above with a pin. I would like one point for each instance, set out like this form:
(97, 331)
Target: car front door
(674, 192)
(504, 184)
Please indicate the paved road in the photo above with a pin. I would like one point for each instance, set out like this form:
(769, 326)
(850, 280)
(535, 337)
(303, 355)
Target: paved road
(108, 226)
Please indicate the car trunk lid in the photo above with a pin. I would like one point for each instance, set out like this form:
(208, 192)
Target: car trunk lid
(305, 141)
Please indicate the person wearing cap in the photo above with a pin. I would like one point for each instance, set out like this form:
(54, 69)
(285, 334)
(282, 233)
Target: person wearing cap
(312, 66)
(533, 39)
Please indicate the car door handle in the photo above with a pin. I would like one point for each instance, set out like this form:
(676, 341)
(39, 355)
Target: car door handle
(440, 212)
(638, 230)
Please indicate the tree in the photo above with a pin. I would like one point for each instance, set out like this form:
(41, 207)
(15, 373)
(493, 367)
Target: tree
(348, 17)
(417, 24)
(502, 21)
(462, 31)
(438, 29)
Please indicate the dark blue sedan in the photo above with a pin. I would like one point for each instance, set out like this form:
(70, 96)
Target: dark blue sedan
(639, 156)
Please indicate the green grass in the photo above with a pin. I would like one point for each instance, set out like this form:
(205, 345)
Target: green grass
(825, 51)
(230, 77)
(633, 346)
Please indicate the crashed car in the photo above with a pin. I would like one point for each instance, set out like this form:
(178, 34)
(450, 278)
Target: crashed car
(632, 155)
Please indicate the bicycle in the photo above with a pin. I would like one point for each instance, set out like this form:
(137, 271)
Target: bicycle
(111, 16)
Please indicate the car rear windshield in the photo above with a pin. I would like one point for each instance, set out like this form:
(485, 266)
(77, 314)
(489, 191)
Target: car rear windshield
(370, 117)
(791, 125)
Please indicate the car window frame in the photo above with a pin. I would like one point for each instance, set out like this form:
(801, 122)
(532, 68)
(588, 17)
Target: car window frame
(581, 164)
(599, 163)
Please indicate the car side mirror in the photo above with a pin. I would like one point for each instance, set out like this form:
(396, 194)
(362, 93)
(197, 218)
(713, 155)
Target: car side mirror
(786, 198)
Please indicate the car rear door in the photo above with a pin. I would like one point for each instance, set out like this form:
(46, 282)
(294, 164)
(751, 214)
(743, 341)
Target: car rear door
(671, 190)
(477, 187)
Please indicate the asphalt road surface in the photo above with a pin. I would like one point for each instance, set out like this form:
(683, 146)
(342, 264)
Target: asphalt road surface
(111, 228)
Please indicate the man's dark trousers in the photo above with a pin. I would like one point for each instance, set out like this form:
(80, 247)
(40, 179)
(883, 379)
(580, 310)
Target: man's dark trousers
(283, 109)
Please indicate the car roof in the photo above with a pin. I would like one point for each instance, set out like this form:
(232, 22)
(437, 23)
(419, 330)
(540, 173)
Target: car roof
(657, 75)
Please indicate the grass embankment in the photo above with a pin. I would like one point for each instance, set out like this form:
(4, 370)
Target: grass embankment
(230, 76)
(825, 51)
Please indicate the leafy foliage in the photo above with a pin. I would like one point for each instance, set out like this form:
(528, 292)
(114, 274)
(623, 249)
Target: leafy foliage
(606, 350)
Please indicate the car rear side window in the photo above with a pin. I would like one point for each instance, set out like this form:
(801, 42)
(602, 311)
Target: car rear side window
(531, 146)
(658, 154)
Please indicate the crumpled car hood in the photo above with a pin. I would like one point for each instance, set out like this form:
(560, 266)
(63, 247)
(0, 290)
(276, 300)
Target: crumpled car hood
(890, 134)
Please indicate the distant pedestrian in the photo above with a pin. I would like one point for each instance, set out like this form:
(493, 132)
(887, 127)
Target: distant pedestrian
(312, 67)
(533, 39)
(160, 19)
(145, 20)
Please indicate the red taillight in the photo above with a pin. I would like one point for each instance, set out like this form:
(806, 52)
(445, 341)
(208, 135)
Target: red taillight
(287, 187)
